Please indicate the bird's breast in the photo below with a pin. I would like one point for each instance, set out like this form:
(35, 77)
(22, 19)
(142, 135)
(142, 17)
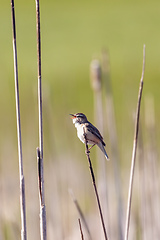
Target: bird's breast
(80, 131)
(91, 138)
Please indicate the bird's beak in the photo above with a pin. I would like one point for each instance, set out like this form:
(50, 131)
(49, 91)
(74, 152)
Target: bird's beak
(72, 116)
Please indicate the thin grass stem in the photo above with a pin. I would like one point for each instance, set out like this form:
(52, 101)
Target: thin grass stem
(94, 185)
(21, 176)
(81, 229)
(134, 150)
(39, 78)
(80, 214)
(43, 225)
(96, 83)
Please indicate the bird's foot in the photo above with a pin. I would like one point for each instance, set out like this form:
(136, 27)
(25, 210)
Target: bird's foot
(87, 151)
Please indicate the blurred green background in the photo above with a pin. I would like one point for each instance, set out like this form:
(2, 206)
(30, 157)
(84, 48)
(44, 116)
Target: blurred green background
(72, 34)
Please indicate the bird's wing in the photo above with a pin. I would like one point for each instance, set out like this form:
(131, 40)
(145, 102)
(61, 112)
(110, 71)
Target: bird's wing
(95, 131)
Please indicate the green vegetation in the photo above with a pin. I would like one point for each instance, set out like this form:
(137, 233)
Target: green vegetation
(72, 33)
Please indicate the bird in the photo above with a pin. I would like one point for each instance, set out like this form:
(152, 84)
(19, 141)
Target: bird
(93, 135)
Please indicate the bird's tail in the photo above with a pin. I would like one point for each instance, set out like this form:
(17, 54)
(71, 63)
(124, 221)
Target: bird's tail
(100, 145)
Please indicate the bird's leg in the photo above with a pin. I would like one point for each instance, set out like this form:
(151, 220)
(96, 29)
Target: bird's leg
(88, 151)
(91, 146)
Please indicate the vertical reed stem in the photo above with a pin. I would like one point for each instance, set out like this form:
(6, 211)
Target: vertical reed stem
(134, 150)
(39, 78)
(94, 185)
(21, 176)
(96, 83)
(40, 149)
(43, 226)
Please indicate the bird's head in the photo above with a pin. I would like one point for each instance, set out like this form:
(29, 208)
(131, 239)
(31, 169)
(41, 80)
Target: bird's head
(78, 118)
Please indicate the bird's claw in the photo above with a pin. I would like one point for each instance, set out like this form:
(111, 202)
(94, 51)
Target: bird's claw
(87, 152)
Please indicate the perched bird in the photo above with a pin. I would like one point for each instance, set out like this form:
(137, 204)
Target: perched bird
(93, 135)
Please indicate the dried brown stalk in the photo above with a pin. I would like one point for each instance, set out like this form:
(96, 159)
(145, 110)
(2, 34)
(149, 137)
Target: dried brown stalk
(81, 229)
(96, 83)
(94, 185)
(134, 150)
(80, 214)
(40, 149)
(43, 228)
(21, 176)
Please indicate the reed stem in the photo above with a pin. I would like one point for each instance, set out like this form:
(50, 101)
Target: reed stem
(134, 150)
(95, 187)
(43, 225)
(19, 138)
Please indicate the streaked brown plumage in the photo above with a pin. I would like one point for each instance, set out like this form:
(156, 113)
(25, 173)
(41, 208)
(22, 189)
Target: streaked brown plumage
(92, 133)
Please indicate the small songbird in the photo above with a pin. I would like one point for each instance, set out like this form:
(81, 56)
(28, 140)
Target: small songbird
(93, 135)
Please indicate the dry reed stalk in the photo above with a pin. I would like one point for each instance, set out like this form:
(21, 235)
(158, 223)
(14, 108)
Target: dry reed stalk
(39, 77)
(43, 225)
(80, 227)
(112, 131)
(81, 214)
(96, 83)
(21, 176)
(94, 185)
(134, 150)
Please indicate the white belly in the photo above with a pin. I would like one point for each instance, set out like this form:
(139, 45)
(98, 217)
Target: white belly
(90, 137)
(80, 132)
